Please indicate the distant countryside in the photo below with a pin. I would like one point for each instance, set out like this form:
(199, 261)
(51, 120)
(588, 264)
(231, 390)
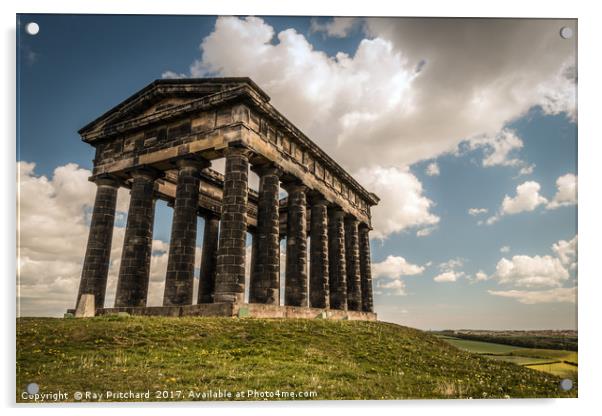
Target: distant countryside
(553, 352)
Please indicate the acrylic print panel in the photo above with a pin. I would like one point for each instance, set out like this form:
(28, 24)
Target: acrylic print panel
(217, 208)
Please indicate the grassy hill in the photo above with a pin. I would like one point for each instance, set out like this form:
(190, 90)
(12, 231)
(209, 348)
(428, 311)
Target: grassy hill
(334, 359)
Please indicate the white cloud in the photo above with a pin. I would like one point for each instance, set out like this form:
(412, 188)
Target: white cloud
(560, 294)
(429, 91)
(527, 199)
(403, 204)
(394, 287)
(481, 276)
(395, 267)
(53, 233)
(338, 27)
(451, 264)
(504, 249)
(498, 148)
(448, 277)
(432, 169)
(425, 231)
(566, 251)
(526, 271)
(477, 211)
(566, 193)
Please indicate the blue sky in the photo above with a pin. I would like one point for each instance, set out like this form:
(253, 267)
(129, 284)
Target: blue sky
(78, 67)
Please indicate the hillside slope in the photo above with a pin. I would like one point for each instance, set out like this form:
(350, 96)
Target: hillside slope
(335, 359)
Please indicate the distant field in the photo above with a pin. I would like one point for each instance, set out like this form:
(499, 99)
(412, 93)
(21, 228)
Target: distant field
(560, 369)
(560, 363)
(479, 347)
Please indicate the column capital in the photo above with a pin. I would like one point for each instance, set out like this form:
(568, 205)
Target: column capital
(191, 161)
(237, 149)
(266, 168)
(350, 219)
(106, 180)
(336, 211)
(294, 185)
(315, 198)
(364, 226)
(144, 171)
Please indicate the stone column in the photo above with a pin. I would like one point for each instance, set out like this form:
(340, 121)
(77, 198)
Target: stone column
(132, 284)
(336, 264)
(319, 296)
(295, 290)
(352, 260)
(208, 259)
(98, 252)
(365, 268)
(265, 272)
(180, 263)
(230, 277)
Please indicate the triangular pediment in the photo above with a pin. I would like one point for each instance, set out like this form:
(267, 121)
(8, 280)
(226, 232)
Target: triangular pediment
(163, 94)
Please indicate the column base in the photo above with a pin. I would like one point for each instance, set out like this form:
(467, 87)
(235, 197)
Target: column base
(245, 310)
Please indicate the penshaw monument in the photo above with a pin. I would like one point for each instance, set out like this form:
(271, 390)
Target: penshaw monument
(160, 143)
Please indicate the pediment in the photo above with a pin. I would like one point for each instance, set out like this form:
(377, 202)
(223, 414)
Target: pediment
(161, 95)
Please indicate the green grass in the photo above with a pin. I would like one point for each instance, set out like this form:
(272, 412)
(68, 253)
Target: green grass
(336, 359)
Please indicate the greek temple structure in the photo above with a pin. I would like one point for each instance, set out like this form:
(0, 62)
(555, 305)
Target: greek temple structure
(160, 143)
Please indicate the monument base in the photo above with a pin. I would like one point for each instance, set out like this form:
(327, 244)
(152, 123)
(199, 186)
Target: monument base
(245, 310)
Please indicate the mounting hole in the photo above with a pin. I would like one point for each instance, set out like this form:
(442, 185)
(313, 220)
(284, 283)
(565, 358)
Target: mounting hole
(33, 388)
(32, 28)
(566, 32)
(566, 384)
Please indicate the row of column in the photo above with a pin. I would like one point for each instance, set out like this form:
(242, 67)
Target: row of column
(339, 270)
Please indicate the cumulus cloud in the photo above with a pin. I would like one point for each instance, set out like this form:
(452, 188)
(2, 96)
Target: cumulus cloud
(451, 264)
(448, 277)
(566, 193)
(403, 204)
(337, 27)
(395, 267)
(530, 297)
(52, 236)
(394, 287)
(505, 249)
(477, 211)
(432, 169)
(438, 83)
(566, 251)
(498, 149)
(425, 231)
(527, 199)
(526, 271)
(481, 276)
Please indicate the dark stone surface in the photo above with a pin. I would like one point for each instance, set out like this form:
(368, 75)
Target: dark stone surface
(366, 269)
(295, 289)
(208, 260)
(180, 264)
(265, 269)
(230, 277)
(98, 251)
(336, 259)
(352, 260)
(319, 296)
(132, 285)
